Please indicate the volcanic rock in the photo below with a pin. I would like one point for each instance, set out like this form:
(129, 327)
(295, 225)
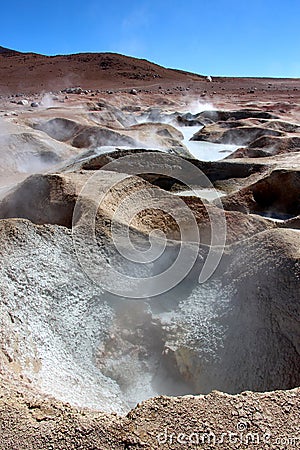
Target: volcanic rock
(220, 115)
(85, 136)
(29, 152)
(43, 321)
(276, 194)
(191, 120)
(234, 136)
(255, 308)
(60, 129)
(276, 145)
(51, 198)
(22, 102)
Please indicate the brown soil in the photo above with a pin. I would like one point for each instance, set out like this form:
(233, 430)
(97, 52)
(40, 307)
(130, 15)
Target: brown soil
(215, 421)
(28, 72)
(33, 73)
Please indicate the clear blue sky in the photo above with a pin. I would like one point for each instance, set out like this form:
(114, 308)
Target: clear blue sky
(217, 37)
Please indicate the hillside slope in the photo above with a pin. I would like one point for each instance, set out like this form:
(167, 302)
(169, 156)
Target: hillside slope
(29, 72)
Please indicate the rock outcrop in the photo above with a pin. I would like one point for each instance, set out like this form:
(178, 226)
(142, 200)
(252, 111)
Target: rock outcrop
(51, 199)
(147, 135)
(240, 135)
(240, 114)
(276, 194)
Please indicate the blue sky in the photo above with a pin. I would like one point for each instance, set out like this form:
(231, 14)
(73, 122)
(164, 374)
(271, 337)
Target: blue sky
(217, 37)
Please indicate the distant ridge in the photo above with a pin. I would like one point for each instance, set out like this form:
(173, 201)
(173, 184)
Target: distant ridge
(32, 72)
(6, 50)
(24, 72)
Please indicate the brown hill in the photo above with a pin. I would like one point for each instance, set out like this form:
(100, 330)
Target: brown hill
(29, 72)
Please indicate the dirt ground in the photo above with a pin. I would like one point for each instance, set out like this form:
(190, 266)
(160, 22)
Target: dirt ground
(246, 421)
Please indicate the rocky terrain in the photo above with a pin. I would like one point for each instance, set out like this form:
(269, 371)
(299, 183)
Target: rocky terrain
(149, 248)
